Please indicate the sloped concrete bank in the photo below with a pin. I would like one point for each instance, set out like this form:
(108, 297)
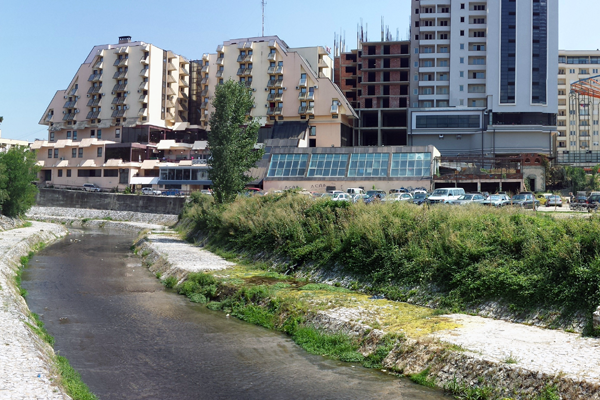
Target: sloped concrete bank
(78, 216)
(525, 366)
(26, 362)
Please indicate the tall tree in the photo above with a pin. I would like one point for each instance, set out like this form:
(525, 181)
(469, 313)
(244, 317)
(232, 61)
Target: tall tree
(17, 174)
(231, 141)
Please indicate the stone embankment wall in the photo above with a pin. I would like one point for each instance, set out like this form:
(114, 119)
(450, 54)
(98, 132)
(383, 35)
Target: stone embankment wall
(79, 217)
(110, 201)
(26, 362)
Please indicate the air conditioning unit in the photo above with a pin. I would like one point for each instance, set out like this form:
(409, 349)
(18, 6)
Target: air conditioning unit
(62, 158)
(77, 111)
(139, 91)
(266, 89)
(266, 105)
(316, 87)
(112, 107)
(284, 88)
(88, 95)
(441, 136)
(297, 87)
(64, 97)
(64, 112)
(125, 107)
(254, 89)
(128, 92)
(103, 94)
(112, 92)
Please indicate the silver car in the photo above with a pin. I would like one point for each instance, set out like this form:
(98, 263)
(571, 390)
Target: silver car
(468, 199)
(553, 201)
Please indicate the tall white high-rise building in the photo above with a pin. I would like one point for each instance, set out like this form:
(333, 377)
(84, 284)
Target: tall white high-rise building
(483, 76)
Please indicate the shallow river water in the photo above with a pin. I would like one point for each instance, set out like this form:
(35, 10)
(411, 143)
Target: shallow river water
(129, 338)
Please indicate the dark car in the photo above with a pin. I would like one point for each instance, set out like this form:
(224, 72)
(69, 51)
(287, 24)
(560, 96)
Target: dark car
(593, 199)
(419, 198)
(172, 192)
(525, 200)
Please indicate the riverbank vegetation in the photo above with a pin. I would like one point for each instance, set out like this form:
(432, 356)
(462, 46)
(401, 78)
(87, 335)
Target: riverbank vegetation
(451, 257)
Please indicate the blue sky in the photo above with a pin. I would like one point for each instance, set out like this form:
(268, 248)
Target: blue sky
(42, 43)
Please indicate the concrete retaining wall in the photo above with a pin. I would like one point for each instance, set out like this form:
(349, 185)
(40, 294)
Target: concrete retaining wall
(109, 201)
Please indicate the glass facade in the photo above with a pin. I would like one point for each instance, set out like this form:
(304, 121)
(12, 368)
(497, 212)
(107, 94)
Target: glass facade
(448, 121)
(508, 51)
(539, 51)
(288, 165)
(411, 164)
(369, 164)
(328, 165)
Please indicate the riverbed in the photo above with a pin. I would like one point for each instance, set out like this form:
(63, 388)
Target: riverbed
(129, 337)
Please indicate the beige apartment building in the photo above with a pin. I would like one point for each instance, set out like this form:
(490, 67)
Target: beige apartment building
(288, 84)
(578, 138)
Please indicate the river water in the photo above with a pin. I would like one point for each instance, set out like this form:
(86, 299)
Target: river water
(129, 338)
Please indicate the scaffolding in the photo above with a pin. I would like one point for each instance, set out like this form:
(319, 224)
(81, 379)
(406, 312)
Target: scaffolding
(584, 103)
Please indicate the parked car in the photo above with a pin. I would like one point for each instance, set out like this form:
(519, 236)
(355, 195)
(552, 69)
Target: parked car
(525, 200)
(496, 200)
(353, 191)
(375, 198)
(359, 197)
(419, 198)
(375, 191)
(91, 187)
(398, 197)
(468, 198)
(445, 195)
(401, 190)
(206, 191)
(594, 198)
(341, 197)
(172, 192)
(150, 191)
(553, 201)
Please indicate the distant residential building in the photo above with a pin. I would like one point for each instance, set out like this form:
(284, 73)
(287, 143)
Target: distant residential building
(483, 76)
(288, 84)
(6, 144)
(577, 139)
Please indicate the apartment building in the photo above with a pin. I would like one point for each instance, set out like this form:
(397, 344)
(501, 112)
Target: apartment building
(577, 138)
(123, 100)
(375, 80)
(288, 84)
(482, 76)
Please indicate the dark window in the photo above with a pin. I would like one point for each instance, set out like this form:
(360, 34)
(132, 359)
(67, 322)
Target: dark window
(80, 153)
(89, 172)
(74, 153)
(448, 121)
(111, 172)
(60, 173)
(508, 36)
(49, 153)
(539, 52)
(55, 153)
(68, 173)
(99, 152)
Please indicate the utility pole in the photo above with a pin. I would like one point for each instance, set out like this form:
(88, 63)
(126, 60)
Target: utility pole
(263, 16)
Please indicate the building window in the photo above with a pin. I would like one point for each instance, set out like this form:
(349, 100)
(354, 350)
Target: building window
(462, 19)
(99, 152)
(68, 173)
(539, 52)
(99, 134)
(461, 88)
(462, 60)
(462, 46)
(288, 165)
(462, 33)
(55, 153)
(74, 135)
(328, 165)
(313, 131)
(68, 134)
(117, 133)
(74, 153)
(80, 153)
(49, 153)
(462, 6)
(52, 136)
(60, 173)
(371, 164)
(92, 133)
(462, 74)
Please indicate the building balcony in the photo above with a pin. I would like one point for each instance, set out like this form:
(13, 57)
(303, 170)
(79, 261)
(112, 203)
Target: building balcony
(204, 105)
(220, 48)
(118, 62)
(95, 78)
(120, 75)
(92, 115)
(183, 71)
(279, 82)
(272, 56)
(69, 104)
(279, 69)
(271, 111)
(182, 104)
(335, 108)
(302, 109)
(184, 96)
(143, 112)
(171, 67)
(241, 71)
(248, 58)
(170, 78)
(99, 64)
(248, 84)
(220, 60)
(118, 113)
(143, 86)
(310, 96)
(182, 82)
(170, 91)
(271, 70)
(219, 74)
(169, 104)
(145, 71)
(248, 72)
(169, 116)
(322, 64)
(271, 83)
(94, 90)
(118, 100)
(69, 117)
(143, 98)
(310, 110)
(302, 82)
(204, 93)
(93, 102)
(204, 69)
(302, 95)
(145, 59)
(241, 58)
(119, 87)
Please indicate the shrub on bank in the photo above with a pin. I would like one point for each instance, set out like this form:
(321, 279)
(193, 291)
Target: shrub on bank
(468, 254)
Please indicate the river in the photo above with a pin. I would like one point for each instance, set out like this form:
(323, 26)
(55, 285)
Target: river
(130, 338)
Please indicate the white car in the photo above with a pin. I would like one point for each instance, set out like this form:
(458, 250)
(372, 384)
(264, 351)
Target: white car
(91, 187)
(398, 197)
(149, 190)
(341, 197)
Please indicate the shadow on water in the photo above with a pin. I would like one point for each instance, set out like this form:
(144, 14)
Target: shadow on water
(131, 339)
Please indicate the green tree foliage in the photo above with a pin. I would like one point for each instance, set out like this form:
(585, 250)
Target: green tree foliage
(17, 171)
(231, 140)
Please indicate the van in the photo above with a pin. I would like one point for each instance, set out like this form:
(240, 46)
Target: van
(445, 195)
(355, 191)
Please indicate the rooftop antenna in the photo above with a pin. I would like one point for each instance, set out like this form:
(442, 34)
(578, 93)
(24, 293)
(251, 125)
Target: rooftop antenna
(263, 16)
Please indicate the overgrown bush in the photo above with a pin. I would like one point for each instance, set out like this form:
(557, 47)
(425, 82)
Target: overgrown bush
(469, 254)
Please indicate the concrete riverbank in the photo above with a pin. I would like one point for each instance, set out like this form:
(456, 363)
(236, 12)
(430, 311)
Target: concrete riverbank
(26, 366)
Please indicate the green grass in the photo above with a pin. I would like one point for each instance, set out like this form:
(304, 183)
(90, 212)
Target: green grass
(71, 381)
(423, 379)
(337, 345)
(468, 255)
